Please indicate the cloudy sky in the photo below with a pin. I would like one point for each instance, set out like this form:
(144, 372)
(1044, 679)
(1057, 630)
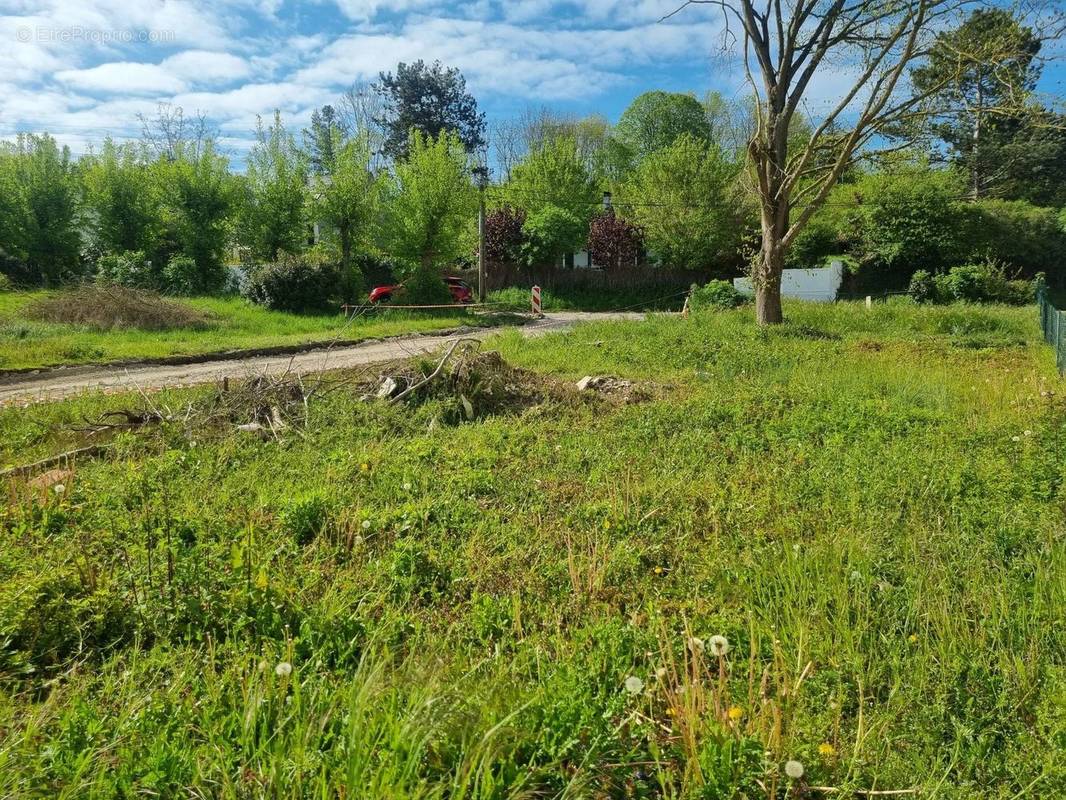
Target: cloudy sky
(82, 69)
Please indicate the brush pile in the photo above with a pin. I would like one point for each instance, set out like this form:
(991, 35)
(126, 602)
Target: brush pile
(106, 307)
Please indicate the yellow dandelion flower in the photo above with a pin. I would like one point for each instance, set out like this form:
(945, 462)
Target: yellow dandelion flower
(365, 467)
(913, 638)
(606, 524)
(826, 750)
(658, 570)
(735, 713)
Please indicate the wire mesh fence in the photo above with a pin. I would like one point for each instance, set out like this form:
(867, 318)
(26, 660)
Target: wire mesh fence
(1051, 324)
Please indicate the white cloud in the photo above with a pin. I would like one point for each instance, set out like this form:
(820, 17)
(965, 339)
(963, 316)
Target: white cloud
(204, 66)
(120, 77)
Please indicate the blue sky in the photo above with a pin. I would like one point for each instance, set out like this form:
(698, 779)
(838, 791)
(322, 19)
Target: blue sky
(82, 69)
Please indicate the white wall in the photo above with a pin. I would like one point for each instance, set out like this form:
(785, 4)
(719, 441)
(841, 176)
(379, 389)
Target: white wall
(804, 284)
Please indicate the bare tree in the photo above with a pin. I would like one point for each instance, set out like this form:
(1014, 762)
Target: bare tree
(171, 135)
(360, 108)
(785, 45)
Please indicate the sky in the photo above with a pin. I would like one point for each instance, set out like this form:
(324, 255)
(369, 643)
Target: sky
(84, 69)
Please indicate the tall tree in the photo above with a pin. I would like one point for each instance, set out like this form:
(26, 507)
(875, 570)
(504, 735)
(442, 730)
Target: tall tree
(321, 140)
(554, 173)
(427, 203)
(48, 238)
(786, 46)
(655, 120)
(976, 77)
(121, 199)
(273, 216)
(430, 99)
(345, 199)
(200, 199)
(681, 197)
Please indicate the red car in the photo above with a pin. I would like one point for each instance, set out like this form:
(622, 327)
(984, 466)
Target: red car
(459, 289)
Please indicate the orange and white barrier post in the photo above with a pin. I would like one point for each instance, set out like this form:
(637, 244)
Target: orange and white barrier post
(536, 302)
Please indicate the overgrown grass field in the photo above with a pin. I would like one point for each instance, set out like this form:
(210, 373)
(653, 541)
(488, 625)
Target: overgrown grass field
(233, 323)
(431, 601)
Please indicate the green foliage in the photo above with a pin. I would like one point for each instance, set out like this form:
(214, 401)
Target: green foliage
(345, 198)
(299, 284)
(424, 286)
(123, 198)
(693, 222)
(431, 100)
(554, 174)
(973, 86)
(39, 231)
(907, 219)
(984, 282)
(305, 518)
(655, 120)
(715, 296)
(200, 204)
(1023, 237)
(549, 232)
(132, 269)
(427, 203)
(182, 276)
(273, 216)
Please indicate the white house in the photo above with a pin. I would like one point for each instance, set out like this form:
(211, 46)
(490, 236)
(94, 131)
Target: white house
(820, 285)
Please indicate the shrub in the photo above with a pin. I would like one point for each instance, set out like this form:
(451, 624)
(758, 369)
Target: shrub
(922, 287)
(111, 307)
(5, 283)
(130, 268)
(295, 284)
(1020, 235)
(614, 242)
(503, 235)
(423, 286)
(181, 276)
(714, 296)
(984, 282)
(551, 232)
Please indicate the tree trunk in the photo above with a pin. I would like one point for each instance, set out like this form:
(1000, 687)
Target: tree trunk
(346, 244)
(768, 287)
(766, 276)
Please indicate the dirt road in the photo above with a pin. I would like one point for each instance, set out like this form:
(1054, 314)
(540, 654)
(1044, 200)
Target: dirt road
(56, 383)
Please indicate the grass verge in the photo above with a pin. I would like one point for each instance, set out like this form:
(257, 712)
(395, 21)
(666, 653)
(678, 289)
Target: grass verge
(226, 324)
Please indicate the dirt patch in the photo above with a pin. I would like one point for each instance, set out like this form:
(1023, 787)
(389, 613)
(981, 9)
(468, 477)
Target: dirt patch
(107, 308)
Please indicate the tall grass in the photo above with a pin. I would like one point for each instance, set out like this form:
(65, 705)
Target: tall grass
(867, 505)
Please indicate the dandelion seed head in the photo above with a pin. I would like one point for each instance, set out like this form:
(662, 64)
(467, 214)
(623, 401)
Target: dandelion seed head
(660, 673)
(283, 669)
(366, 524)
(696, 643)
(1028, 433)
(634, 685)
(719, 645)
(1016, 438)
(59, 488)
(794, 769)
(407, 487)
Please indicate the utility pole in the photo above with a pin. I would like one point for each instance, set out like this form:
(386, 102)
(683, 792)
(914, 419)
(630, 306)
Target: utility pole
(482, 175)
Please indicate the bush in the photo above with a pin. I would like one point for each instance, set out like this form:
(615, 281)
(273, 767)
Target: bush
(922, 287)
(131, 269)
(1022, 236)
(5, 283)
(181, 276)
(715, 296)
(423, 286)
(551, 232)
(296, 284)
(984, 282)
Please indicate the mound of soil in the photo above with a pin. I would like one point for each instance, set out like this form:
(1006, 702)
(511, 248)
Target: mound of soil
(108, 308)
